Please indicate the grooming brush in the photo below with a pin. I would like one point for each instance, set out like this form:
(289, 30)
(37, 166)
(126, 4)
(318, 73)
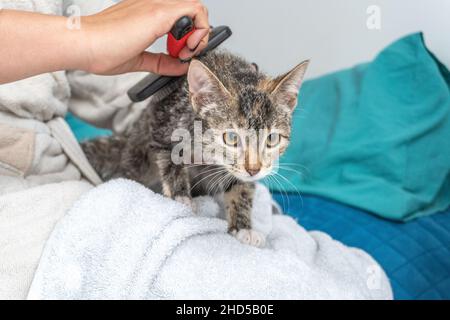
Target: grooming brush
(153, 82)
(178, 36)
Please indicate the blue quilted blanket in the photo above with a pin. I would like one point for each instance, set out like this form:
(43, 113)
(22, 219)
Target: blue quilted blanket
(415, 255)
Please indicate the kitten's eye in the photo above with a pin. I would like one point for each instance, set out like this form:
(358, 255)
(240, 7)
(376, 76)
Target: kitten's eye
(231, 138)
(273, 140)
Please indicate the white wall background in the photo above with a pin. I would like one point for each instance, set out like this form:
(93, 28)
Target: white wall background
(278, 34)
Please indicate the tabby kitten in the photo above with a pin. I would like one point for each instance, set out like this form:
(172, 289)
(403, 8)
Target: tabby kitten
(223, 104)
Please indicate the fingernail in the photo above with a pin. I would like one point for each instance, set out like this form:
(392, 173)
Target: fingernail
(194, 49)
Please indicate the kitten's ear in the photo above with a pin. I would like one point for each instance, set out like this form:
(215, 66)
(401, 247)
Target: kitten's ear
(206, 91)
(288, 86)
(255, 67)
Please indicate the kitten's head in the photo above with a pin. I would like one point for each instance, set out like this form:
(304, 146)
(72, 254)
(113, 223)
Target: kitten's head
(247, 113)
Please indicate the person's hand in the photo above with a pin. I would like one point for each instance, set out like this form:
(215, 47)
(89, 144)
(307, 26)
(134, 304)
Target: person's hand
(110, 42)
(117, 37)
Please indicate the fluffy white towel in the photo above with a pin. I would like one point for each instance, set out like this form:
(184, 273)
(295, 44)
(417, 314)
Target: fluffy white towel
(122, 241)
(26, 220)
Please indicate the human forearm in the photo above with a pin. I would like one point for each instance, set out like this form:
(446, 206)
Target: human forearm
(34, 43)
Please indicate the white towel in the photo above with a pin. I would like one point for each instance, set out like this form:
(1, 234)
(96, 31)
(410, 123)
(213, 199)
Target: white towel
(26, 220)
(122, 241)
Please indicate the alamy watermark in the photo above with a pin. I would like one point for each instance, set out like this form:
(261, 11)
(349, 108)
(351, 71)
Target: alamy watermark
(374, 277)
(373, 21)
(228, 146)
(73, 13)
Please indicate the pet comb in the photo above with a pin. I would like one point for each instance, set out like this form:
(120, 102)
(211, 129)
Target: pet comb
(153, 82)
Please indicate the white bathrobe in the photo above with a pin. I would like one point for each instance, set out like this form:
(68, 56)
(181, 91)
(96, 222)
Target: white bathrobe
(42, 167)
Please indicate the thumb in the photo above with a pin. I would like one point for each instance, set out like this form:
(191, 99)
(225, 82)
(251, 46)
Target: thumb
(160, 63)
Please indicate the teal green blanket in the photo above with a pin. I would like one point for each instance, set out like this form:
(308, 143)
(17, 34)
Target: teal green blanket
(376, 136)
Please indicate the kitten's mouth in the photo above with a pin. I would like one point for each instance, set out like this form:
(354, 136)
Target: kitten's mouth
(246, 177)
(250, 178)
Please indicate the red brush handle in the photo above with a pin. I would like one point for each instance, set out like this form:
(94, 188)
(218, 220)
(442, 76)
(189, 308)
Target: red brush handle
(174, 46)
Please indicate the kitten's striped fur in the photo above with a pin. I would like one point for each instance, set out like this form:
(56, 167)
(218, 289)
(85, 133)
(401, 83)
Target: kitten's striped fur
(223, 91)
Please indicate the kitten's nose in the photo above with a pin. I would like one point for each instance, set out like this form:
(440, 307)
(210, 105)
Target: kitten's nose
(253, 172)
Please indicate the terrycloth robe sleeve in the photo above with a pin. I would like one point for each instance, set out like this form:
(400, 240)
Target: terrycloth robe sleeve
(103, 101)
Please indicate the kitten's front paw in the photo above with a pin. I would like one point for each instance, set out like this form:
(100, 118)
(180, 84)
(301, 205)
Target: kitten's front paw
(187, 201)
(250, 237)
